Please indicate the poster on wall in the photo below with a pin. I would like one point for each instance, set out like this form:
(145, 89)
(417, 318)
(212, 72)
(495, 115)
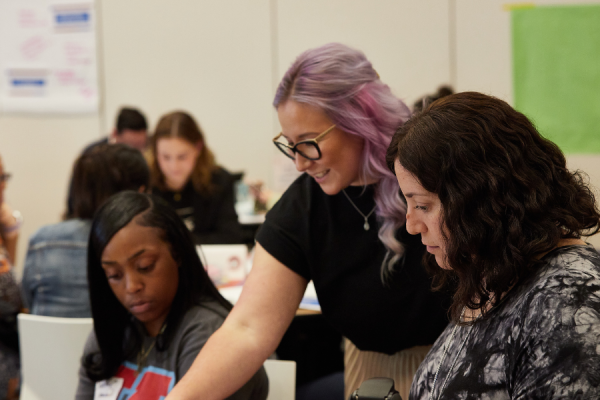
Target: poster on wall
(48, 56)
(556, 73)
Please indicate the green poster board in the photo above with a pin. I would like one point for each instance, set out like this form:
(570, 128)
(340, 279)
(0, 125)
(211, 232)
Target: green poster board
(556, 73)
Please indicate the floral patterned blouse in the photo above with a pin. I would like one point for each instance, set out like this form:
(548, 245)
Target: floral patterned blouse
(542, 341)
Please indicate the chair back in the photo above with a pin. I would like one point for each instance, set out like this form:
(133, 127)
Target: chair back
(282, 379)
(51, 349)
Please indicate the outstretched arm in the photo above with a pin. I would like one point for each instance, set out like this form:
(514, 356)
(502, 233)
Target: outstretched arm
(250, 333)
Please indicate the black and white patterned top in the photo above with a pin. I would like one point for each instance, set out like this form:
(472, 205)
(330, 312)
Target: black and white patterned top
(541, 342)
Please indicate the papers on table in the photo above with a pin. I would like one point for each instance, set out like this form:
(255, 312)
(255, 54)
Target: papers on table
(227, 265)
(309, 301)
(231, 293)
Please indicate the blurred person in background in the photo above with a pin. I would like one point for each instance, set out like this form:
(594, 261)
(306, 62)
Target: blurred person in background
(54, 279)
(130, 128)
(10, 299)
(185, 174)
(423, 102)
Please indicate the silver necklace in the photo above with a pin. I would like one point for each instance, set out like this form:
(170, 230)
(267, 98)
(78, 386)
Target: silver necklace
(142, 356)
(366, 226)
(446, 345)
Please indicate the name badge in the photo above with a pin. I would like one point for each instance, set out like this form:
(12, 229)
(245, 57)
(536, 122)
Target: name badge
(108, 389)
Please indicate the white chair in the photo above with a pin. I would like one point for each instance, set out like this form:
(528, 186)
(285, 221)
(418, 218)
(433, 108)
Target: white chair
(51, 349)
(282, 379)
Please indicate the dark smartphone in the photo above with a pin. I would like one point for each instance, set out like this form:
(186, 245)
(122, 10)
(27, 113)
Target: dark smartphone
(376, 389)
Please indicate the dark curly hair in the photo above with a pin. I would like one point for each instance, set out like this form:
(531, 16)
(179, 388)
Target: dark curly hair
(101, 171)
(507, 196)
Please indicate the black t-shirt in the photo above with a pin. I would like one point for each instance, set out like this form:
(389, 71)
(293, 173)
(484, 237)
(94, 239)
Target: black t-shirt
(542, 341)
(183, 203)
(322, 238)
(210, 216)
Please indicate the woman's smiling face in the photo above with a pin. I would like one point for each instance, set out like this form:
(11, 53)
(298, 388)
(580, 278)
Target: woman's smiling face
(142, 273)
(341, 152)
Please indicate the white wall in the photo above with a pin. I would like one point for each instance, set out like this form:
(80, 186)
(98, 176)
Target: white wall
(484, 62)
(211, 58)
(221, 60)
(406, 41)
(39, 151)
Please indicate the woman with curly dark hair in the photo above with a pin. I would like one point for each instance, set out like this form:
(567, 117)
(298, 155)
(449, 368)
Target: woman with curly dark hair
(502, 217)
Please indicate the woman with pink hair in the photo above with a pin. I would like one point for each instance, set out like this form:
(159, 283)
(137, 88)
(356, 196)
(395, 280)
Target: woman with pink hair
(341, 225)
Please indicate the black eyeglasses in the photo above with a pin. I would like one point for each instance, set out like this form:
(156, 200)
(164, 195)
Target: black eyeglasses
(5, 177)
(308, 149)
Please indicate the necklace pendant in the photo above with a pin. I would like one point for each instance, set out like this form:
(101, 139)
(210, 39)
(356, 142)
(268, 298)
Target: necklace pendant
(366, 226)
(139, 363)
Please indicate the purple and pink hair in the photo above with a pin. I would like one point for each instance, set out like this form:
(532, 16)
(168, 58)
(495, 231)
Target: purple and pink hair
(341, 81)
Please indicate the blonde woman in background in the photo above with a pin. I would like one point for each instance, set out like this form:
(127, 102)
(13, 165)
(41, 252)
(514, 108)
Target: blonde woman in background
(185, 174)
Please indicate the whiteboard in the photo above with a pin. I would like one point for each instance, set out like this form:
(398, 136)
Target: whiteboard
(48, 56)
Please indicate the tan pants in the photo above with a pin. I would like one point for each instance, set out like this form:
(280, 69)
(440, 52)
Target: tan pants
(362, 365)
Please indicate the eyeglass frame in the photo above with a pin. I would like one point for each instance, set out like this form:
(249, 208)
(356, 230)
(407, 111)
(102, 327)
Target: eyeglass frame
(295, 150)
